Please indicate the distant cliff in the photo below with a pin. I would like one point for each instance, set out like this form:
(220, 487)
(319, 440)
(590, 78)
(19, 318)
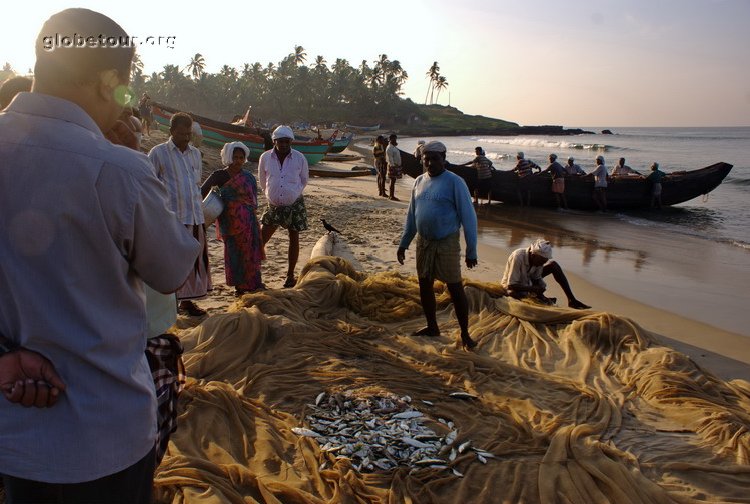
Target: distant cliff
(439, 120)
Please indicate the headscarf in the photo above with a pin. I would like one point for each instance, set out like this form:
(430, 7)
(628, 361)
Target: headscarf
(542, 247)
(228, 151)
(282, 132)
(434, 146)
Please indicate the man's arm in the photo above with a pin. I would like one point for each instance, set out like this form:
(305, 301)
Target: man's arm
(410, 230)
(304, 175)
(262, 172)
(468, 218)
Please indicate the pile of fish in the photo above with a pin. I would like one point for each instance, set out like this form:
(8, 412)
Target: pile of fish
(382, 432)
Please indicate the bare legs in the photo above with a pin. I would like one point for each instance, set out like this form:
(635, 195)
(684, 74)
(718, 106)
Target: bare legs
(557, 273)
(393, 190)
(266, 232)
(460, 304)
(600, 197)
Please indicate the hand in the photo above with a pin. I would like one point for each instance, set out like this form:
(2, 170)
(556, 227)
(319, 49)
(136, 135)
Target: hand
(401, 255)
(29, 378)
(121, 134)
(470, 263)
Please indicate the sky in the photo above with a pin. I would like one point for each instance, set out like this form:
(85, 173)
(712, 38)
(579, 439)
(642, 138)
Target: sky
(604, 63)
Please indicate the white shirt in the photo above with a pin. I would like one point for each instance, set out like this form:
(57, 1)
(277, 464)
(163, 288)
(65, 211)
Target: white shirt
(181, 174)
(83, 224)
(600, 176)
(393, 155)
(518, 271)
(282, 184)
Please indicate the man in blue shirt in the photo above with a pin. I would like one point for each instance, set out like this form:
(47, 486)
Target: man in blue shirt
(440, 204)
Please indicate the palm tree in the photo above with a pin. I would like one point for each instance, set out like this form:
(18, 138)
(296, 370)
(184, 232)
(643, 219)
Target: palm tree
(136, 67)
(433, 73)
(440, 84)
(299, 56)
(320, 64)
(196, 65)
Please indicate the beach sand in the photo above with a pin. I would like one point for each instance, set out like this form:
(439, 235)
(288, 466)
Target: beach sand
(372, 226)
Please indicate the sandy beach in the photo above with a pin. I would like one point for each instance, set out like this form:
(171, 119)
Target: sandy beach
(623, 403)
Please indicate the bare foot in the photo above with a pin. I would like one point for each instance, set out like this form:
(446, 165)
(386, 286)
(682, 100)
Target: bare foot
(427, 331)
(574, 303)
(467, 343)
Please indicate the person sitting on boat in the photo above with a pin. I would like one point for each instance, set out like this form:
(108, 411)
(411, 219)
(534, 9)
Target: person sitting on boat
(525, 271)
(572, 168)
(558, 173)
(393, 155)
(484, 169)
(524, 168)
(600, 183)
(381, 165)
(623, 170)
(654, 178)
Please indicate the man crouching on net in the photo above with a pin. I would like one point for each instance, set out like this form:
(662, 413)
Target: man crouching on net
(525, 270)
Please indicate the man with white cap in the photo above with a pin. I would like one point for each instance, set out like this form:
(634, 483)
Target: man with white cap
(572, 168)
(600, 183)
(524, 168)
(525, 270)
(282, 175)
(440, 205)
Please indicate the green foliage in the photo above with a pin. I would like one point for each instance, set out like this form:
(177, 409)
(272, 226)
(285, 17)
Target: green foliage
(287, 91)
(436, 119)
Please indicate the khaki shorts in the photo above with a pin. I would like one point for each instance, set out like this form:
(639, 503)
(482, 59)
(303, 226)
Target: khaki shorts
(439, 259)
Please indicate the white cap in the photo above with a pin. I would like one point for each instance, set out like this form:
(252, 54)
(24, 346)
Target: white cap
(282, 132)
(435, 146)
(542, 247)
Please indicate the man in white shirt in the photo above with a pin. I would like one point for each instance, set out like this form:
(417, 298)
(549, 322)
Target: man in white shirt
(89, 228)
(282, 176)
(525, 270)
(393, 156)
(178, 165)
(623, 170)
(600, 184)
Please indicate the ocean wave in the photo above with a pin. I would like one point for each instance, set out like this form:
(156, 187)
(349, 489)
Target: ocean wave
(739, 181)
(490, 155)
(548, 144)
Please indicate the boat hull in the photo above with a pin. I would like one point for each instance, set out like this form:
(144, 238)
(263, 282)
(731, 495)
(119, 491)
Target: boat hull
(622, 193)
(217, 133)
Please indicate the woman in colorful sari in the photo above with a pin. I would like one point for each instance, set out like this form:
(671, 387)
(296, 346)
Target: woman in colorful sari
(237, 225)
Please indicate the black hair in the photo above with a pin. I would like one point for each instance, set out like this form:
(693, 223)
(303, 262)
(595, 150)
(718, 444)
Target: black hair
(11, 87)
(180, 118)
(74, 45)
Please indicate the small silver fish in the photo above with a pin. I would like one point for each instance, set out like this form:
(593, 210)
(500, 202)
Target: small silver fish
(462, 395)
(481, 459)
(414, 442)
(464, 446)
(453, 455)
(430, 462)
(451, 437)
(407, 415)
(302, 431)
(428, 403)
(319, 398)
(458, 473)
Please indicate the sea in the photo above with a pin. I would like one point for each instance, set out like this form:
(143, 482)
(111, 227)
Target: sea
(692, 259)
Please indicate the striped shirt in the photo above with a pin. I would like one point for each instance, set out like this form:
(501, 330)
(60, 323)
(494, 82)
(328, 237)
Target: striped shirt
(524, 167)
(181, 174)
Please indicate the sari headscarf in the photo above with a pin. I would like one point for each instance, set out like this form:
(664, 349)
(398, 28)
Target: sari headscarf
(228, 151)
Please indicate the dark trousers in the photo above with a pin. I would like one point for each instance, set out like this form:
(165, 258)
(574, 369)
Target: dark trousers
(132, 485)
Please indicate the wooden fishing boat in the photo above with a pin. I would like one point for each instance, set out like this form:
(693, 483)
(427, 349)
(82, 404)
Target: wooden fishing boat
(622, 193)
(363, 128)
(336, 173)
(217, 133)
(341, 143)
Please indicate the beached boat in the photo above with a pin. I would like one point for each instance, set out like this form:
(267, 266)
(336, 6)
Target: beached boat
(622, 193)
(217, 133)
(363, 128)
(336, 173)
(340, 144)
